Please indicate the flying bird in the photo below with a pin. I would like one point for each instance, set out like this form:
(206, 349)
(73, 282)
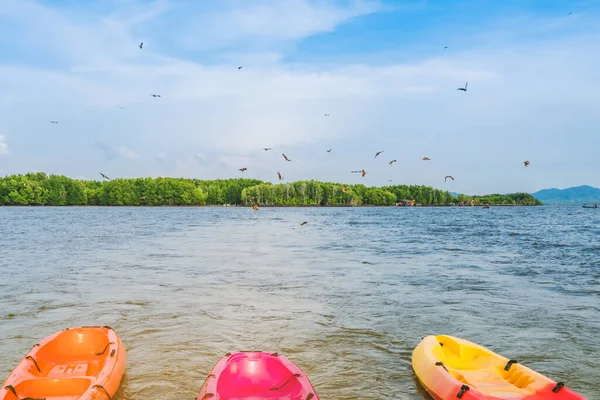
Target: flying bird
(141, 45)
(304, 223)
(240, 67)
(243, 169)
(363, 172)
(463, 89)
(255, 207)
(445, 47)
(268, 148)
(426, 159)
(393, 161)
(279, 176)
(104, 176)
(449, 176)
(286, 159)
(526, 163)
(344, 189)
(54, 122)
(155, 95)
(121, 107)
(378, 153)
(329, 151)
(327, 115)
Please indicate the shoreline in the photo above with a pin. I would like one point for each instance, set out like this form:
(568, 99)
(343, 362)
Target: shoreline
(269, 206)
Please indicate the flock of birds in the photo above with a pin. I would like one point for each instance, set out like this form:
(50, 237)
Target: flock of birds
(363, 172)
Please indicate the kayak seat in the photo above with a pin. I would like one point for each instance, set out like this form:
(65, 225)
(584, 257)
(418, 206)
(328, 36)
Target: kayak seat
(68, 369)
(495, 381)
(59, 388)
(476, 367)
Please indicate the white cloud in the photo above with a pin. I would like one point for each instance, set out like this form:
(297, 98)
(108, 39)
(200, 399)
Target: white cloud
(160, 157)
(112, 153)
(128, 154)
(199, 158)
(3, 146)
(525, 101)
(256, 24)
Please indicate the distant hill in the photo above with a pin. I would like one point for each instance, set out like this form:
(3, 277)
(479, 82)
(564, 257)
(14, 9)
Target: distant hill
(575, 195)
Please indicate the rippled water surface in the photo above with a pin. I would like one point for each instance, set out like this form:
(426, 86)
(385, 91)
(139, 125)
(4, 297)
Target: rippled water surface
(184, 286)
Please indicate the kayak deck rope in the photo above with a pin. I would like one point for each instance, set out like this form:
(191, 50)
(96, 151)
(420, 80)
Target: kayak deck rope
(12, 389)
(104, 351)
(558, 386)
(104, 390)
(441, 364)
(286, 382)
(463, 389)
(35, 362)
(509, 364)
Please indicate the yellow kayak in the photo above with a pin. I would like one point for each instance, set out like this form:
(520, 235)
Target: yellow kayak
(450, 368)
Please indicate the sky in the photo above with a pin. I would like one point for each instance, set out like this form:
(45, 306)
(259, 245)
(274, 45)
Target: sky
(386, 72)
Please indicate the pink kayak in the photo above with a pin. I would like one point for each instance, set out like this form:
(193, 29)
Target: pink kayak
(256, 375)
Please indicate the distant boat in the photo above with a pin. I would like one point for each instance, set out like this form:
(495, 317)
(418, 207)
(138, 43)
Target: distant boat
(590, 206)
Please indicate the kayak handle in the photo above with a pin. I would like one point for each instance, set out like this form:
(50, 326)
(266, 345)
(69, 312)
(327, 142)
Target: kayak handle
(33, 347)
(441, 364)
(35, 362)
(12, 389)
(286, 382)
(463, 389)
(558, 386)
(104, 351)
(104, 390)
(509, 364)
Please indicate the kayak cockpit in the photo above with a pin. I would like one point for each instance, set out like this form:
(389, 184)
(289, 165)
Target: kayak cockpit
(259, 375)
(483, 370)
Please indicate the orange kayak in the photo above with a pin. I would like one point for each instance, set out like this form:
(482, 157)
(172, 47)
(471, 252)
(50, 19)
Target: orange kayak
(82, 363)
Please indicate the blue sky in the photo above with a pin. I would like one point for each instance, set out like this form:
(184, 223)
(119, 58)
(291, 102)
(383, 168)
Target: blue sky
(379, 68)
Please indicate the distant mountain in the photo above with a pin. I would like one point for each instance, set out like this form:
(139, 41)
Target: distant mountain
(575, 195)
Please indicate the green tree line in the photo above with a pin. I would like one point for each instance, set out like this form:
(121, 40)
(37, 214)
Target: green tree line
(57, 190)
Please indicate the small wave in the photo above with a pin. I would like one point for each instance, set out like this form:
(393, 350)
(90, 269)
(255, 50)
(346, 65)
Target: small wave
(140, 303)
